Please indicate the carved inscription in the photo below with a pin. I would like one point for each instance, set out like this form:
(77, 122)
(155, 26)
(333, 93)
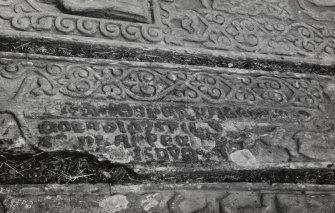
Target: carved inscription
(148, 133)
(136, 113)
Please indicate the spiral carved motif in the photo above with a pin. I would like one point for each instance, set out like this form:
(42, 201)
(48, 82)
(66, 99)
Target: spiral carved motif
(131, 32)
(87, 26)
(110, 29)
(79, 81)
(152, 34)
(65, 25)
(120, 83)
(262, 27)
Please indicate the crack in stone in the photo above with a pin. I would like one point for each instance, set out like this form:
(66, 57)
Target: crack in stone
(47, 168)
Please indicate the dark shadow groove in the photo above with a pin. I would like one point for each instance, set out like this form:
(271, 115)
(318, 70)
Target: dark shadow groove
(44, 47)
(70, 167)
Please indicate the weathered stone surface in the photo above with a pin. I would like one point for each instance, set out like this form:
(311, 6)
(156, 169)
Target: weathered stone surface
(318, 9)
(133, 9)
(323, 2)
(159, 117)
(211, 198)
(303, 30)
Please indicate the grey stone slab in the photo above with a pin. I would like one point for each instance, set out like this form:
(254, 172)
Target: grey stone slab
(210, 198)
(162, 117)
(301, 30)
(133, 9)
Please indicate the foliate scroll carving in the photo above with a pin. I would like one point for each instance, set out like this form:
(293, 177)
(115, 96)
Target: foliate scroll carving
(136, 10)
(274, 8)
(133, 113)
(217, 28)
(147, 84)
(264, 27)
(32, 15)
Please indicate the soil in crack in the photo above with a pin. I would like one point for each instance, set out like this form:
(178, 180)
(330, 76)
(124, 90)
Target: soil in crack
(65, 167)
(132, 54)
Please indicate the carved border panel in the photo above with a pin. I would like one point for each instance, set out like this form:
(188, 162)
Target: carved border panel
(276, 28)
(143, 114)
(213, 198)
(31, 16)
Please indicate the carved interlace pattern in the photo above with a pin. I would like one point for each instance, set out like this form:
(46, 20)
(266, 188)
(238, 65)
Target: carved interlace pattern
(265, 27)
(299, 107)
(144, 84)
(274, 8)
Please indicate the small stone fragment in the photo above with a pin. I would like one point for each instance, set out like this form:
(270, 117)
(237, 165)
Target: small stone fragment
(114, 203)
(106, 174)
(243, 158)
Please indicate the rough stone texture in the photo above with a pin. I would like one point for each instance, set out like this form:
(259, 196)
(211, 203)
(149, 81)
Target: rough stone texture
(200, 198)
(160, 117)
(164, 118)
(303, 30)
(133, 9)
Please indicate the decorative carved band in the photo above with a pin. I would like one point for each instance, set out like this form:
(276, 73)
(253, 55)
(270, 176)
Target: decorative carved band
(137, 113)
(187, 198)
(262, 27)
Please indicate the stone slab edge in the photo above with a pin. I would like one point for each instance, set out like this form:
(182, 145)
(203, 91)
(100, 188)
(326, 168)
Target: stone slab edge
(77, 40)
(179, 198)
(320, 109)
(301, 29)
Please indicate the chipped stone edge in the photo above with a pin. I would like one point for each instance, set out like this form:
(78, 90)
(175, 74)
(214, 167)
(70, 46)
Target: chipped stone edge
(106, 189)
(182, 167)
(110, 62)
(230, 166)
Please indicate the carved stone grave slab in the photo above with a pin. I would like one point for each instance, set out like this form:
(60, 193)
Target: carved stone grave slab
(162, 117)
(300, 30)
(212, 198)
